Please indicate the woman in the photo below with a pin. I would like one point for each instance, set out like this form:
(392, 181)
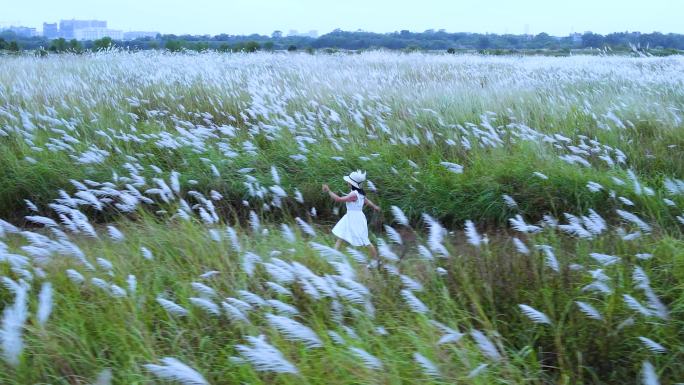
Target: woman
(353, 228)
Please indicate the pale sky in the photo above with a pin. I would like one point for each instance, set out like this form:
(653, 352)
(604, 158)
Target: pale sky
(264, 16)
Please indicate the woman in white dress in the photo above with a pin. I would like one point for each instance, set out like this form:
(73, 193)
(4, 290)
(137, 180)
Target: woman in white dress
(352, 228)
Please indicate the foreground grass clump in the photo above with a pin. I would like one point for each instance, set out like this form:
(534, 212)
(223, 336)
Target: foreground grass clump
(167, 224)
(460, 306)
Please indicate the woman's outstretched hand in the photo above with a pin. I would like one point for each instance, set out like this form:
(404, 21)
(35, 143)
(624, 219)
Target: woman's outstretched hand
(326, 188)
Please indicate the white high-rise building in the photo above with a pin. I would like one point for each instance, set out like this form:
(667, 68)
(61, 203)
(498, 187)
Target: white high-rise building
(67, 28)
(97, 33)
(132, 35)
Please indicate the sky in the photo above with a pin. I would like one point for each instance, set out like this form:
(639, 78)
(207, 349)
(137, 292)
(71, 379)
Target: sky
(238, 17)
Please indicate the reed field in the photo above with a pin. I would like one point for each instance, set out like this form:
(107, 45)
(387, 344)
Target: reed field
(163, 219)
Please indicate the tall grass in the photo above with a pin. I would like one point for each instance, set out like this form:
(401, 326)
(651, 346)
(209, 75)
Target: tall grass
(171, 224)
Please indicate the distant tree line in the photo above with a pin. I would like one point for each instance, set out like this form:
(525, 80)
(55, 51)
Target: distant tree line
(357, 40)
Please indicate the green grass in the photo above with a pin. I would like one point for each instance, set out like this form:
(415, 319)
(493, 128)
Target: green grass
(393, 110)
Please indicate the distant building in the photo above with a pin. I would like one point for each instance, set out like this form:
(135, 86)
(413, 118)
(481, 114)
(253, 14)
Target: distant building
(95, 33)
(22, 31)
(312, 33)
(50, 30)
(576, 38)
(132, 35)
(68, 28)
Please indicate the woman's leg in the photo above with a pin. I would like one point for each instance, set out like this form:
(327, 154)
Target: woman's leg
(373, 251)
(338, 243)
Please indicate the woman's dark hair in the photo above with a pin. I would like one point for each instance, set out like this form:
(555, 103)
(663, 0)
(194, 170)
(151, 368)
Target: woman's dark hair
(360, 190)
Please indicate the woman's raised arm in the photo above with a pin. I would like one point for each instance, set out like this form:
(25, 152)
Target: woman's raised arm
(337, 198)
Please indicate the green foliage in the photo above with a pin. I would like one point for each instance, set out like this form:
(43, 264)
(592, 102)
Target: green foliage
(173, 45)
(102, 44)
(251, 46)
(58, 45)
(13, 46)
(75, 46)
(655, 43)
(292, 48)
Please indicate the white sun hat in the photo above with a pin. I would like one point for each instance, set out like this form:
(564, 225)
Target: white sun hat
(356, 178)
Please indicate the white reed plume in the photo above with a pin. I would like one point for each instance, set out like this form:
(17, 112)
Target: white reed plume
(518, 224)
(233, 313)
(173, 369)
(550, 260)
(358, 256)
(75, 276)
(104, 377)
(476, 372)
(486, 346)
(252, 299)
(13, 320)
(249, 262)
(604, 259)
(44, 303)
(206, 305)
(31, 206)
(399, 216)
(279, 289)
(293, 330)
(635, 305)
(203, 289)
(115, 234)
(589, 310)
(413, 302)
(535, 315)
(653, 346)
(146, 253)
(436, 235)
(594, 187)
(279, 273)
(520, 246)
(306, 228)
(429, 367)
(132, 284)
(648, 374)
(645, 227)
(410, 283)
(282, 307)
(510, 202)
(287, 232)
(393, 235)
(471, 234)
(254, 222)
(234, 241)
(326, 251)
(209, 274)
(175, 182)
(386, 252)
(369, 360)
(265, 357)
(45, 221)
(453, 167)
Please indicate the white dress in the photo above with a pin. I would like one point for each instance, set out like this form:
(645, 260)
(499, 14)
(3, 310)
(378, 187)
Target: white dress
(353, 227)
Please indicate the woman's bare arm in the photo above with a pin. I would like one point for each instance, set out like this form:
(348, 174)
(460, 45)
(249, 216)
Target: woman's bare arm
(337, 198)
(371, 204)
